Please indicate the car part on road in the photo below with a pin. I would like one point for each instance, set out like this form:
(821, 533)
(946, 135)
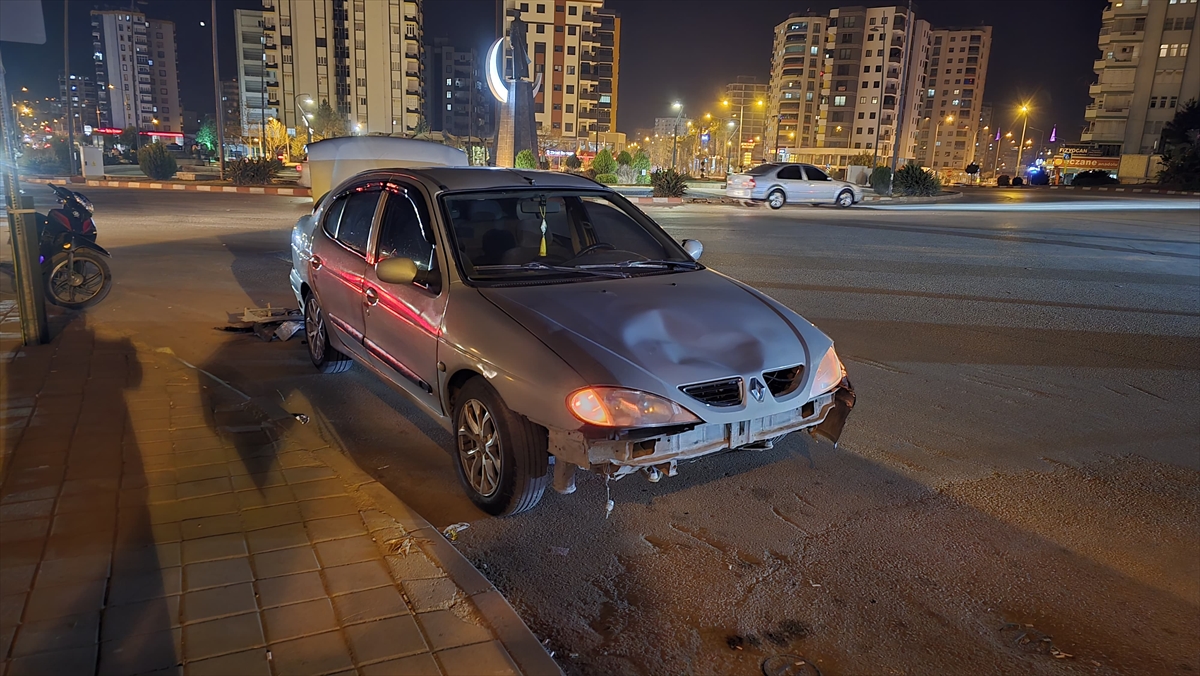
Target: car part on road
(324, 356)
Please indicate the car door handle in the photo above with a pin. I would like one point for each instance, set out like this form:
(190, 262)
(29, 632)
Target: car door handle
(316, 262)
(372, 297)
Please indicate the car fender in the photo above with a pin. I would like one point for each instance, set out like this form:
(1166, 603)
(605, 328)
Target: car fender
(532, 379)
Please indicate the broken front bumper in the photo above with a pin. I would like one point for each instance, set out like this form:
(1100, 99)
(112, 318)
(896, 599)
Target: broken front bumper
(824, 417)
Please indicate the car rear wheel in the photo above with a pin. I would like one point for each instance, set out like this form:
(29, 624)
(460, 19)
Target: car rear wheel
(775, 199)
(845, 199)
(502, 460)
(323, 355)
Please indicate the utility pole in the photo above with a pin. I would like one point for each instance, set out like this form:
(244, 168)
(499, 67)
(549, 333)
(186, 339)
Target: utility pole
(217, 91)
(67, 86)
(1024, 112)
(901, 108)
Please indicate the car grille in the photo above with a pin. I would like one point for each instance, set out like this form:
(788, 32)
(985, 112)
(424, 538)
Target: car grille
(783, 381)
(726, 392)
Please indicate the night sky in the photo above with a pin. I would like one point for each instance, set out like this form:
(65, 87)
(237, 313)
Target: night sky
(684, 50)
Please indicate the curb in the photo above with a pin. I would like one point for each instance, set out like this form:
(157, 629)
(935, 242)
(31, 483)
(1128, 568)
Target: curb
(655, 200)
(162, 185)
(512, 632)
(944, 197)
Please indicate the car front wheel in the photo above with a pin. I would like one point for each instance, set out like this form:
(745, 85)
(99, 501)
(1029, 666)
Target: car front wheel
(502, 460)
(775, 200)
(845, 199)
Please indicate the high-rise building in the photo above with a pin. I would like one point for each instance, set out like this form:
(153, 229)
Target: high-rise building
(952, 99)
(576, 47)
(255, 73)
(365, 58)
(746, 102)
(231, 108)
(793, 99)
(866, 67)
(83, 105)
(1149, 64)
(137, 80)
(457, 100)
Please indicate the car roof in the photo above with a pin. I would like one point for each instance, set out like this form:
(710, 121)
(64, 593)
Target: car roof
(489, 178)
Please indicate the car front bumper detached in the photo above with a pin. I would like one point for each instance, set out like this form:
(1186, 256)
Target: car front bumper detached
(824, 417)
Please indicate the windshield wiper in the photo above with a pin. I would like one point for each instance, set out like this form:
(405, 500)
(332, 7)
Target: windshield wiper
(648, 263)
(546, 267)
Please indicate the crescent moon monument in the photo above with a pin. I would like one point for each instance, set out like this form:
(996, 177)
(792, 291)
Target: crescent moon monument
(515, 91)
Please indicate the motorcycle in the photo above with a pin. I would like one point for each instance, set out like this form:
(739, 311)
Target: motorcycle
(75, 272)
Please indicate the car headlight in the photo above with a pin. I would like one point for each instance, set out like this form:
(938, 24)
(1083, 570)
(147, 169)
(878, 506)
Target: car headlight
(829, 373)
(619, 407)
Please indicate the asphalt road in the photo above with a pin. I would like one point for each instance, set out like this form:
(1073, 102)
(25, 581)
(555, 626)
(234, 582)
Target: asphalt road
(1017, 491)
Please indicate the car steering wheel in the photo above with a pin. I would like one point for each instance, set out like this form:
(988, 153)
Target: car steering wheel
(595, 247)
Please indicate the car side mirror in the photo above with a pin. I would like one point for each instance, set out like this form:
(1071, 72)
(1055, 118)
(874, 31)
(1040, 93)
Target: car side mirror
(694, 248)
(396, 271)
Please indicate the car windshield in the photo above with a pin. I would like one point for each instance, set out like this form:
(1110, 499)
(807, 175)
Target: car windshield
(554, 235)
(763, 169)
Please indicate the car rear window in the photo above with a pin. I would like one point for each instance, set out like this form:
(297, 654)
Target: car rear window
(763, 169)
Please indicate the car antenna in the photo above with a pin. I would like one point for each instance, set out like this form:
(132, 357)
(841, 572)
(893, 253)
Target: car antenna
(527, 178)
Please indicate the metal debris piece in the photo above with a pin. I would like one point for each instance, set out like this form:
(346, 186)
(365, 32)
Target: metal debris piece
(451, 532)
(257, 315)
(289, 328)
(301, 417)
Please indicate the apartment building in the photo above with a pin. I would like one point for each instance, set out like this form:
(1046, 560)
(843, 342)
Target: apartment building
(1149, 64)
(575, 46)
(952, 99)
(254, 72)
(865, 70)
(137, 79)
(746, 103)
(365, 57)
(794, 92)
(231, 108)
(457, 100)
(80, 97)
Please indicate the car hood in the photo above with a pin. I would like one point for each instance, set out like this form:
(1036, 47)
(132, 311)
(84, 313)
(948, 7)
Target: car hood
(657, 332)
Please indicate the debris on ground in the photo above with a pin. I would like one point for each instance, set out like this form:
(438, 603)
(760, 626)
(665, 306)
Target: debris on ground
(1033, 641)
(789, 665)
(268, 323)
(451, 532)
(560, 551)
(301, 417)
(401, 545)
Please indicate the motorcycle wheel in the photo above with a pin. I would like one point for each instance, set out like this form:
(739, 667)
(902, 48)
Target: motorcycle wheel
(79, 285)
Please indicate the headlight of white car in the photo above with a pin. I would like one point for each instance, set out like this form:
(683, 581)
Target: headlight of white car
(619, 407)
(829, 373)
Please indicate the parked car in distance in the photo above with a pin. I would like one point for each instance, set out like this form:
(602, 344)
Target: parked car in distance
(779, 183)
(550, 325)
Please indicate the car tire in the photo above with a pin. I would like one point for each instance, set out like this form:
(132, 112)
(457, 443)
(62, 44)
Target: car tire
(324, 356)
(482, 421)
(845, 199)
(776, 199)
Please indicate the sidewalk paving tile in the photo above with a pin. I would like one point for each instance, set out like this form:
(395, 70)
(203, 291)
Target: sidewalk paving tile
(68, 661)
(385, 639)
(447, 630)
(246, 663)
(278, 537)
(216, 573)
(144, 617)
(416, 665)
(435, 594)
(71, 631)
(216, 547)
(347, 550)
(356, 577)
(283, 623)
(226, 635)
(370, 604)
(217, 602)
(285, 562)
(142, 653)
(337, 527)
(289, 589)
(480, 659)
(319, 654)
(275, 515)
(322, 508)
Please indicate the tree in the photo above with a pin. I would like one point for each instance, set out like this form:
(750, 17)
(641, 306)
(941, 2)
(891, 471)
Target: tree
(641, 164)
(206, 137)
(624, 159)
(129, 137)
(603, 162)
(156, 161)
(421, 131)
(972, 169)
(275, 139)
(1181, 149)
(525, 160)
(573, 162)
(913, 181)
(327, 123)
(668, 183)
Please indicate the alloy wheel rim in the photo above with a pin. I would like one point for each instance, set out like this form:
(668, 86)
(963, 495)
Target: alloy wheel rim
(479, 448)
(78, 284)
(314, 330)
(844, 199)
(776, 199)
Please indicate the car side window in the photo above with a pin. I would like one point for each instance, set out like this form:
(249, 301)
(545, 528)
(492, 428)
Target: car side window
(791, 172)
(354, 228)
(815, 174)
(615, 227)
(405, 230)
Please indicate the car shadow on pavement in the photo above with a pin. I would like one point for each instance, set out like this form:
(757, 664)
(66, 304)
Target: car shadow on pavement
(91, 575)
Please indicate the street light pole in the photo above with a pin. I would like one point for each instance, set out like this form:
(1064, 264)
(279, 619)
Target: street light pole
(67, 86)
(1024, 112)
(675, 135)
(217, 91)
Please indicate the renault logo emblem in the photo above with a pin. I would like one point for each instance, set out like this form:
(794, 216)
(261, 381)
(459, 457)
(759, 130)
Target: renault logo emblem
(757, 389)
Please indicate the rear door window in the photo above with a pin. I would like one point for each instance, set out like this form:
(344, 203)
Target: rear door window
(354, 226)
(815, 174)
(790, 173)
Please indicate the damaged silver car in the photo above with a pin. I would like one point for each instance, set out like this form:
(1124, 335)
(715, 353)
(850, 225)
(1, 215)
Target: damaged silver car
(550, 325)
